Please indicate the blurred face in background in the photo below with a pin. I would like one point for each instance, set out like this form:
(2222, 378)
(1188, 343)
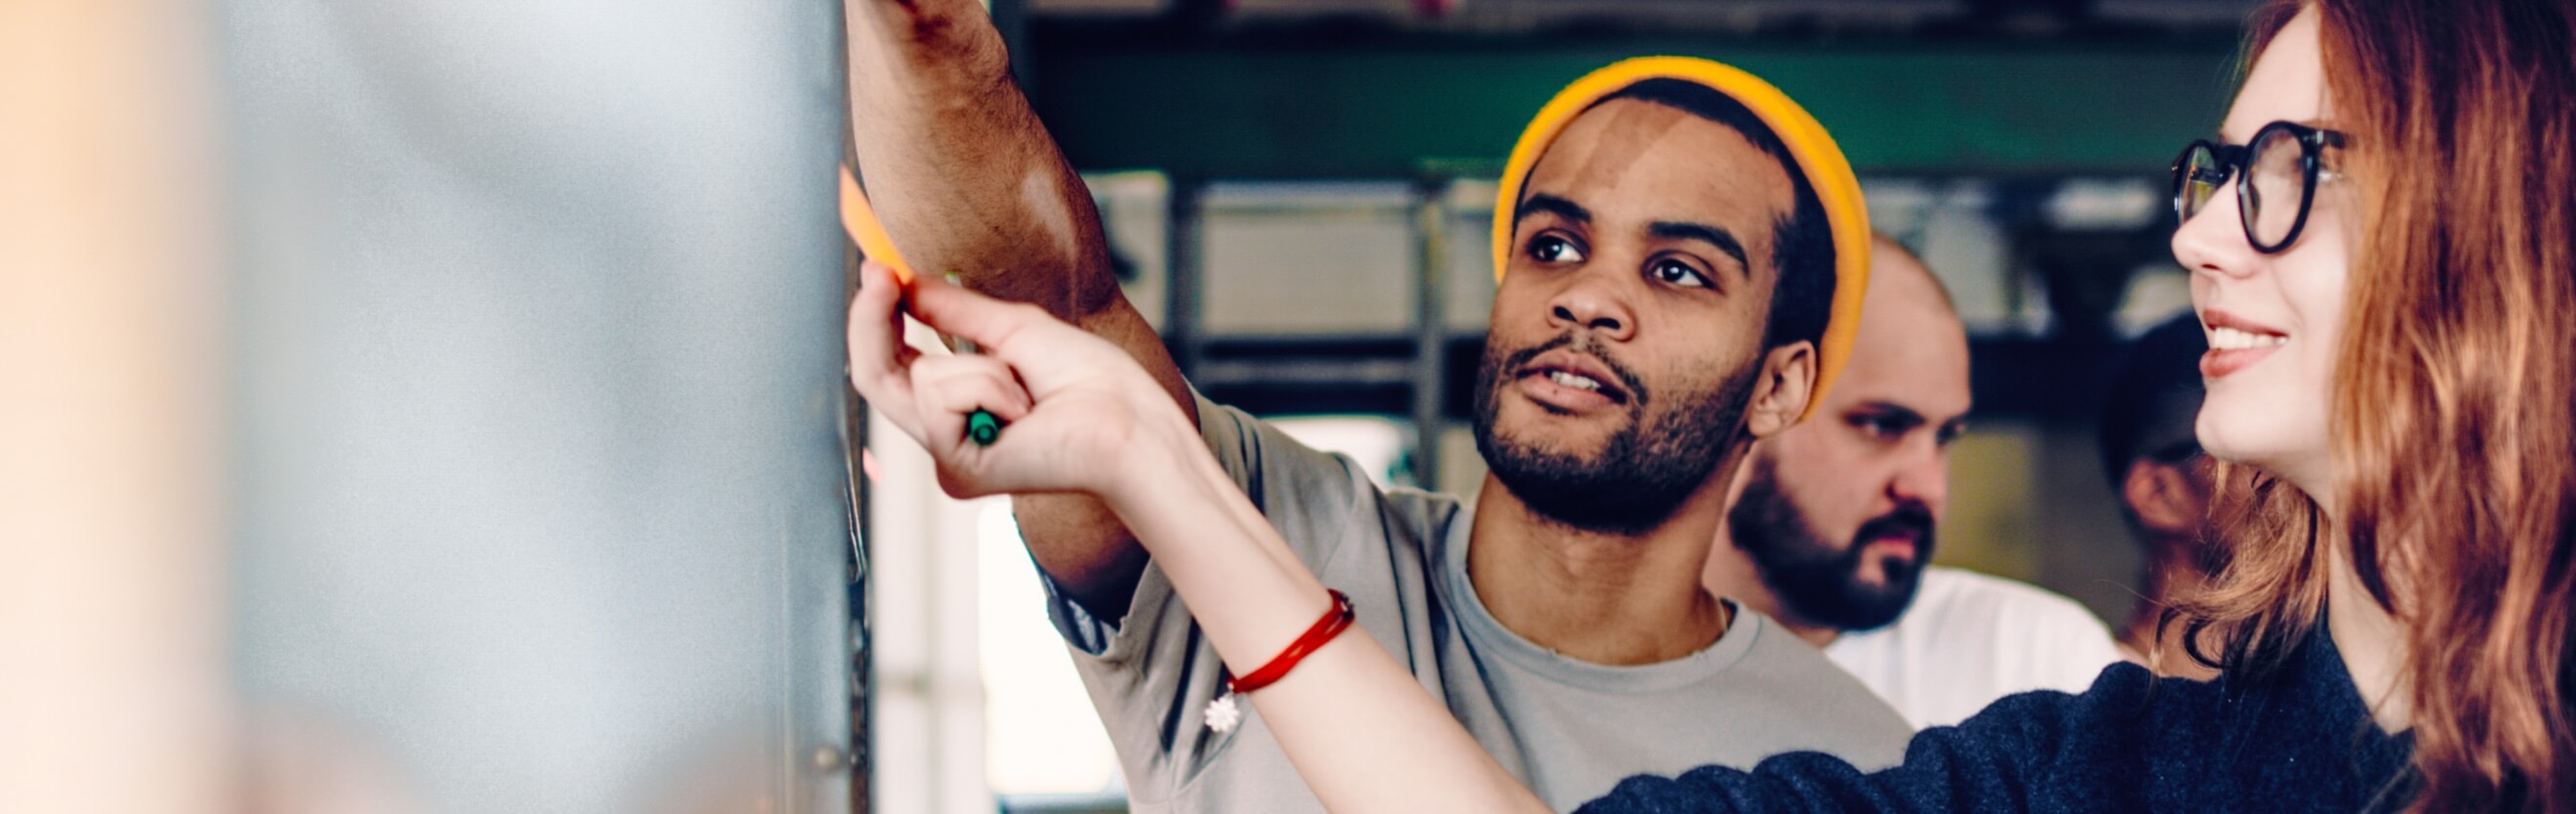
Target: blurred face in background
(1837, 514)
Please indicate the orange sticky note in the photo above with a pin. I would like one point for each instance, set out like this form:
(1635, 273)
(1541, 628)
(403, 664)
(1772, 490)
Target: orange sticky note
(861, 222)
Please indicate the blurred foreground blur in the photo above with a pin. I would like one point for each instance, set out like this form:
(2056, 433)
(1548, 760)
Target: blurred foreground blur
(421, 408)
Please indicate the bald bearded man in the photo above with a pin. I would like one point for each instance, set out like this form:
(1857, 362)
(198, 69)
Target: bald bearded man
(1831, 530)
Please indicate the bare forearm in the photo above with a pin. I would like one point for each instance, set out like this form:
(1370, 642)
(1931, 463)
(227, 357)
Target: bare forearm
(967, 181)
(1066, 535)
(1076, 538)
(1361, 731)
(959, 167)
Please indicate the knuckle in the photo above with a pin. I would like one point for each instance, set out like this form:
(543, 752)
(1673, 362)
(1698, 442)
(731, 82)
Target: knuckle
(955, 485)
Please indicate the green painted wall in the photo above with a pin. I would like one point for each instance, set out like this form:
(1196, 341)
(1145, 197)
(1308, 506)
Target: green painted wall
(1399, 109)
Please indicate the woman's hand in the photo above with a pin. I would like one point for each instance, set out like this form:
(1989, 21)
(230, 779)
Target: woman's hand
(1084, 417)
(1080, 414)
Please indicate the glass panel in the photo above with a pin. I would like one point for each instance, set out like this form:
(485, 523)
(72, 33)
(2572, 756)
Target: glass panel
(541, 495)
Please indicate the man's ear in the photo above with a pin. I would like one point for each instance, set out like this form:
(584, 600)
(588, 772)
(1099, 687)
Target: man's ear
(2161, 496)
(1780, 392)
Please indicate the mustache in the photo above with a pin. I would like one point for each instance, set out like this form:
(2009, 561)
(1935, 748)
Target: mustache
(1580, 343)
(1910, 517)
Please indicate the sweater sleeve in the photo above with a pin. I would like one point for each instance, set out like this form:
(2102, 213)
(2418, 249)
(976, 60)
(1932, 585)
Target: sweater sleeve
(2040, 751)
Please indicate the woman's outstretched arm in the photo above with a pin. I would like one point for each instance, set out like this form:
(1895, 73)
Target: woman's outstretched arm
(1082, 416)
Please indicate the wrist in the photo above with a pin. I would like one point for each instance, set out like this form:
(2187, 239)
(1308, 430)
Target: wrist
(1162, 456)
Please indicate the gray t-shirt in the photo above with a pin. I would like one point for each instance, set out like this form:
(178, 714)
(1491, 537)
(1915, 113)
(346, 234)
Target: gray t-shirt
(1570, 729)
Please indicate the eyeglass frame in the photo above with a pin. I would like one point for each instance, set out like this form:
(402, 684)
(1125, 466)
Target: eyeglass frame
(2235, 158)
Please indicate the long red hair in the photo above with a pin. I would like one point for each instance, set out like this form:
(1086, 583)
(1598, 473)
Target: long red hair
(2454, 404)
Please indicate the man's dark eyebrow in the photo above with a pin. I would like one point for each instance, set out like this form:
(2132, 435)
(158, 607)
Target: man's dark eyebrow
(1560, 207)
(1724, 241)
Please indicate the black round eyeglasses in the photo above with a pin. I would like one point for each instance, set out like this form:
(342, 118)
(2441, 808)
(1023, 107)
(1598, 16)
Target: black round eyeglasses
(2276, 179)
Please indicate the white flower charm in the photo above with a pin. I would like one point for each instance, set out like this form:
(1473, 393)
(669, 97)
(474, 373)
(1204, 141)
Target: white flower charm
(1222, 715)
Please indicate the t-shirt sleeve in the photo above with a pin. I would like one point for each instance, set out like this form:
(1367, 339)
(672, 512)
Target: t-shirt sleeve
(1152, 673)
(2041, 751)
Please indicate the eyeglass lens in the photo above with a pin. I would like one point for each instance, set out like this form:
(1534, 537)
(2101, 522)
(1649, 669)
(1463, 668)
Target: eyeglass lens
(2275, 188)
(2202, 175)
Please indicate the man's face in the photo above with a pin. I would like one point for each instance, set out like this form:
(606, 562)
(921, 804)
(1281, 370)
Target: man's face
(1627, 331)
(1837, 513)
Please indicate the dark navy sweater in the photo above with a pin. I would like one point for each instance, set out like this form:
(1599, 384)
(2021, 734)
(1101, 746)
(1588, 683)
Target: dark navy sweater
(2298, 740)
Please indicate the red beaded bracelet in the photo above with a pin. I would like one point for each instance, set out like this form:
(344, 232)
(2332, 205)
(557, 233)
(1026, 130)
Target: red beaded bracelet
(1335, 620)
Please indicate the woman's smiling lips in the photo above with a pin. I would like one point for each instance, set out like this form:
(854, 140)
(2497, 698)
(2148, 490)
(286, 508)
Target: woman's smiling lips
(2236, 343)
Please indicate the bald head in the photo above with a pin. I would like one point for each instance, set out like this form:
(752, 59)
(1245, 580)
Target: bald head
(1902, 276)
(1911, 350)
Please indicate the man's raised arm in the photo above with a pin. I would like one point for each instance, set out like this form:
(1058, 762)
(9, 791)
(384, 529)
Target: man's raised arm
(967, 181)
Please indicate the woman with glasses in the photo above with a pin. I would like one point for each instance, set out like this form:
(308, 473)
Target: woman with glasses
(2382, 241)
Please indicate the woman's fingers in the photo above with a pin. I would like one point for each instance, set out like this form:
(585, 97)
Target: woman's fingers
(879, 360)
(1046, 352)
(999, 327)
(949, 389)
(1065, 394)
(957, 386)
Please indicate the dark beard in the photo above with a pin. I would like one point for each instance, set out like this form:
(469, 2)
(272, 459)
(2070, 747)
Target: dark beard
(1642, 475)
(1817, 582)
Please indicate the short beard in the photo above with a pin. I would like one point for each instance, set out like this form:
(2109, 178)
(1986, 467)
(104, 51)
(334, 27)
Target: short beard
(1642, 475)
(1816, 582)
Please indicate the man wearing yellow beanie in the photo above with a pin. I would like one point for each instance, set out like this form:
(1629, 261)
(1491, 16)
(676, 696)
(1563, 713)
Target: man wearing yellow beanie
(1681, 254)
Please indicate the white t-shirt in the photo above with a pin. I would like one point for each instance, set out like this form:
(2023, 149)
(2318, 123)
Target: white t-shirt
(1969, 639)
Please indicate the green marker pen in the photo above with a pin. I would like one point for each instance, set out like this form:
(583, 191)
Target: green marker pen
(982, 426)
